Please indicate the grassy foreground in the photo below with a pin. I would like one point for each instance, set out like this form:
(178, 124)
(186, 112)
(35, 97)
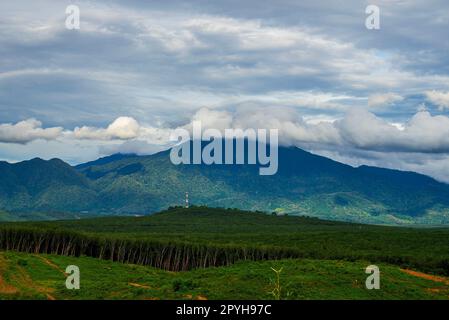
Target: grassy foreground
(30, 276)
(183, 239)
(204, 253)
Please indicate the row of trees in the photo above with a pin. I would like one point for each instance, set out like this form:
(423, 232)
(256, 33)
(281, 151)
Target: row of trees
(173, 256)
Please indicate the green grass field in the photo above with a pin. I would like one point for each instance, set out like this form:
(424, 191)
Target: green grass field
(220, 254)
(29, 276)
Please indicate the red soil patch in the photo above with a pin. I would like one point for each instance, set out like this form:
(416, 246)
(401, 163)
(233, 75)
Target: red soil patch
(50, 297)
(426, 276)
(5, 288)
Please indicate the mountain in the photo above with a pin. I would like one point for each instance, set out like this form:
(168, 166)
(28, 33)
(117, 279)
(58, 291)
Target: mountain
(38, 185)
(305, 184)
(105, 160)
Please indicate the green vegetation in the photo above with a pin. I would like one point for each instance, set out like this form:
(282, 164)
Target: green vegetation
(305, 184)
(29, 276)
(182, 239)
(38, 216)
(277, 287)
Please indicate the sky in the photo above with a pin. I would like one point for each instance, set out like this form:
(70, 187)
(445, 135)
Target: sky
(136, 70)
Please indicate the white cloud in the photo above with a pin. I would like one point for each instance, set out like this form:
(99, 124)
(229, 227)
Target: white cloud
(26, 131)
(123, 128)
(381, 100)
(359, 133)
(215, 119)
(422, 133)
(359, 128)
(293, 129)
(439, 98)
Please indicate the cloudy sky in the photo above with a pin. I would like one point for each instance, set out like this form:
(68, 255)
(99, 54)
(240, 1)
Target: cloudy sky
(136, 70)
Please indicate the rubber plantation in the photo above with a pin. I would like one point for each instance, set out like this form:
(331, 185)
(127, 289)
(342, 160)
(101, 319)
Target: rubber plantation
(199, 237)
(165, 255)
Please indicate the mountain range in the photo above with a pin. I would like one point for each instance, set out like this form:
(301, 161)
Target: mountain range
(306, 184)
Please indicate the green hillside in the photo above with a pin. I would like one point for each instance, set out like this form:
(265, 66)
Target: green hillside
(41, 189)
(31, 276)
(305, 184)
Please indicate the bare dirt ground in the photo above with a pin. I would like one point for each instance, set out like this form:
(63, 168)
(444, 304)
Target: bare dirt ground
(426, 276)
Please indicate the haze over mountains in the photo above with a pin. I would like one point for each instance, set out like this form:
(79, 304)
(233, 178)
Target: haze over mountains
(305, 184)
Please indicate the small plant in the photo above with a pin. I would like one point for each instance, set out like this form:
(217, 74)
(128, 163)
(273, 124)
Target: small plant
(176, 285)
(22, 262)
(180, 285)
(277, 289)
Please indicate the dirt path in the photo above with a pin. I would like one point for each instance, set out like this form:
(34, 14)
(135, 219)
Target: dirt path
(51, 264)
(426, 276)
(139, 285)
(5, 288)
(20, 276)
(50, 297)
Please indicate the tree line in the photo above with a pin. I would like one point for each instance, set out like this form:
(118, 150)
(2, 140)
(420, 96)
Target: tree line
(167, 255)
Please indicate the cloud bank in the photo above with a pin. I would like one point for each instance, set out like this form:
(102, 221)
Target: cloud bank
(26, 131)
(359, 128)
(441, 99)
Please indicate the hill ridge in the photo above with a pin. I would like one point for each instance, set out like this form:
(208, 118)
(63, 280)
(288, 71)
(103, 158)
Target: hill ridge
(306, 184)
